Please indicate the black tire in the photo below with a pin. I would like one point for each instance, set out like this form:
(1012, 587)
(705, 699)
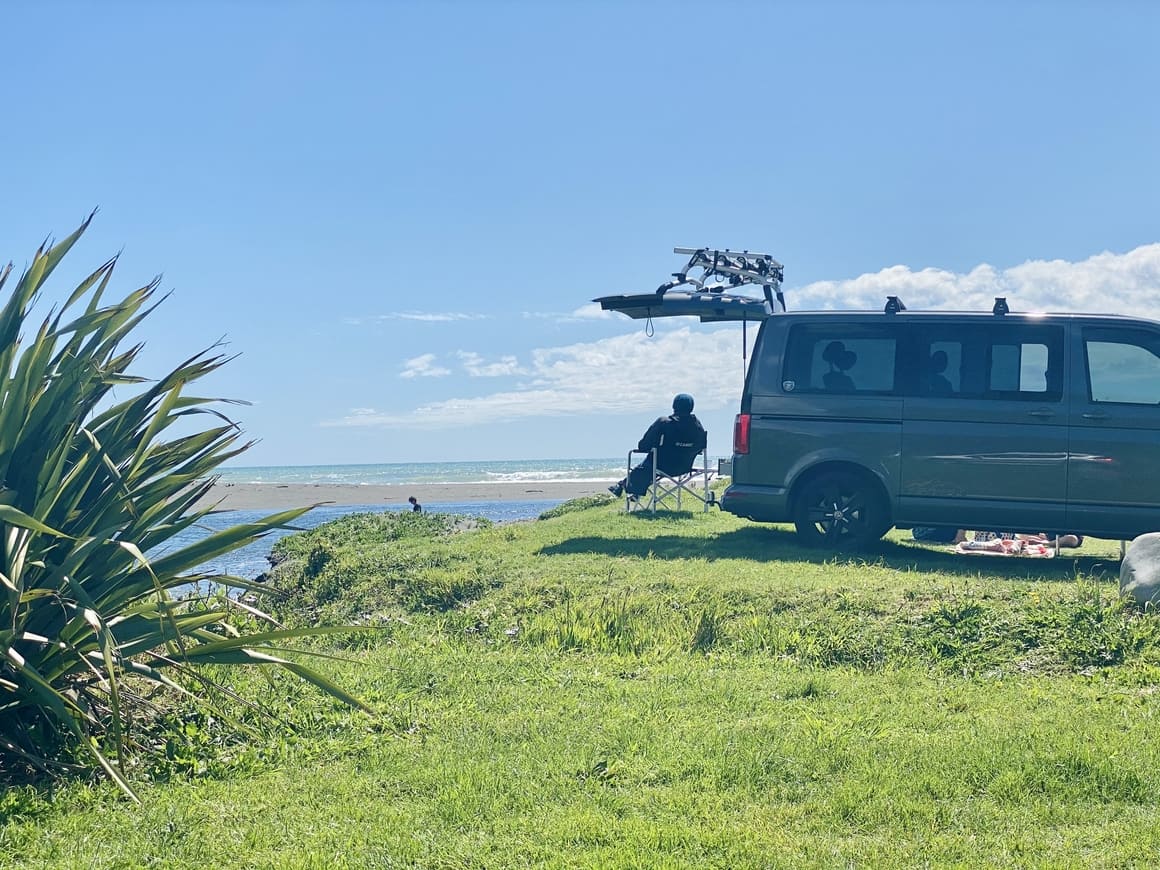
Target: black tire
(840, 510)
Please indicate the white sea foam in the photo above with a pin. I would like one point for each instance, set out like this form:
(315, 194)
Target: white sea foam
(413, 473)
(551, 476)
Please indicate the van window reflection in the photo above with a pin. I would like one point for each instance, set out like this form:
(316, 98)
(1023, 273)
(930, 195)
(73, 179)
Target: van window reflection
(1123, 373)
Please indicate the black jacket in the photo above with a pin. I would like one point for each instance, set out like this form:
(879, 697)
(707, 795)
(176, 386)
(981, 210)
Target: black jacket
(677, 439)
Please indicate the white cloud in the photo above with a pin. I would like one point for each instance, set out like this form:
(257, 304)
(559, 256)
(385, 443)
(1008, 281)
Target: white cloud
(420, 316)
(474, 365)
(620, 375)
(421, 367)
(633, 374)
(435, 316)
(1106, 284)
(590, 311)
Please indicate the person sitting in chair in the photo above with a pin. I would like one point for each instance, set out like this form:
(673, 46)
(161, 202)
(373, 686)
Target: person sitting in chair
(841, 360)
(677, 438)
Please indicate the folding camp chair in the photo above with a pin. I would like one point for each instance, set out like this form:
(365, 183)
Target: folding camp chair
(665, 489)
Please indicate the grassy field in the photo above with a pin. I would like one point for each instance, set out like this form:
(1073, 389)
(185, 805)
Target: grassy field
(597, 689)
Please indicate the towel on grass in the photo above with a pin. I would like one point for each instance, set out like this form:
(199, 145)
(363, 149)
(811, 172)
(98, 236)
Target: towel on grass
(1006, 547)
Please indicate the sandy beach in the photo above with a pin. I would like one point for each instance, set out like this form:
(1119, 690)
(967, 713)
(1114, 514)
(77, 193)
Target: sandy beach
(254, 496)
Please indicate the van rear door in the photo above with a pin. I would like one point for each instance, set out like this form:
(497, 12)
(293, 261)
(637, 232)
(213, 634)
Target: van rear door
(821, 390)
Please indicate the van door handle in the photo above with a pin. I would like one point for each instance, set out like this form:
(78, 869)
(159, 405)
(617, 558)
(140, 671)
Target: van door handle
(1095, 415)
(1041, 412)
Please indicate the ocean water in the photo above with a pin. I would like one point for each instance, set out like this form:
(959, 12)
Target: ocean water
(407, 473)
(250, 561)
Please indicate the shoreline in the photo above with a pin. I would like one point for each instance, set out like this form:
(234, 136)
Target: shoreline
(270, 496)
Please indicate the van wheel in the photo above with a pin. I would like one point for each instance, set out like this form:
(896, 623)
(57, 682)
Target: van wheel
(839, 510)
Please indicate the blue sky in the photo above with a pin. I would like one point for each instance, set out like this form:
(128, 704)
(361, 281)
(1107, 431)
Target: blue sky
(397, 213)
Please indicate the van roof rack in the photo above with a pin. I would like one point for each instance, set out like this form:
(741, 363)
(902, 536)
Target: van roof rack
(894, 304)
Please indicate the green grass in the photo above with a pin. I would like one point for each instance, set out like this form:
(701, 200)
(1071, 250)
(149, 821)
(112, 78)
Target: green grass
(598, 689)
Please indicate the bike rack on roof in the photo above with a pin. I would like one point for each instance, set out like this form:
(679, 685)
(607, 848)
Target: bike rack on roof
(710, 272)
(713, 272)
(734, 268)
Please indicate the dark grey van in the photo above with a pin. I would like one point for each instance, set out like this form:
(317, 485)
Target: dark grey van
(852, 423)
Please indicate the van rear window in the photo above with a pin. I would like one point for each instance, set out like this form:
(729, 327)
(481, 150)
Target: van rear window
(841, 358)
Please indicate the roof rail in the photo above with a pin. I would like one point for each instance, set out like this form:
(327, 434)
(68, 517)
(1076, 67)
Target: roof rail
(894, 305)
(1000, 306)
(732, 268)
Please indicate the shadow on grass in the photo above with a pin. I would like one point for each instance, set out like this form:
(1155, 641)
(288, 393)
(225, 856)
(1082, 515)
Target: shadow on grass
(761, 543)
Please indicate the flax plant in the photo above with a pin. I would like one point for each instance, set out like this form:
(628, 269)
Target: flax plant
(92, 484)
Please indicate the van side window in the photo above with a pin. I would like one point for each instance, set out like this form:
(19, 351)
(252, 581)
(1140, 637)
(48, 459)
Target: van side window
(943, 373)
(1123, 366)
(1019, 368)
(1025, 362)
(938, 358)
(841, 358)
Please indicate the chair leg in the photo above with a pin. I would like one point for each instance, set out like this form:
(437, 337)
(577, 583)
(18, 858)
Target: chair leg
(678, 487)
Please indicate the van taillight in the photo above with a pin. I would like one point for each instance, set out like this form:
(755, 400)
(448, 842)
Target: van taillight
(741, 434)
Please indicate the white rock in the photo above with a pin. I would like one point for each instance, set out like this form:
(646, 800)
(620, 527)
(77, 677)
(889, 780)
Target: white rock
(1140, 570)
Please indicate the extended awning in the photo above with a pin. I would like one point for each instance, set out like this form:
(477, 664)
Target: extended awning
(709, 307)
